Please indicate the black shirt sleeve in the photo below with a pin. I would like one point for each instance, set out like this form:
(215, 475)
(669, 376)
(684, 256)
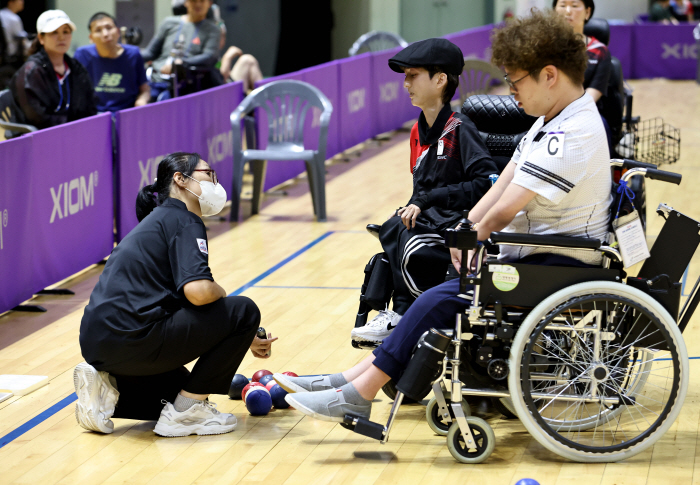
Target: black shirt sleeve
(601, 70)
(188, 253)
(478, 165)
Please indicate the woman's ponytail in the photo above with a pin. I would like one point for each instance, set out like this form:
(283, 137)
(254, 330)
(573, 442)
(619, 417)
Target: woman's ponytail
(146, 201)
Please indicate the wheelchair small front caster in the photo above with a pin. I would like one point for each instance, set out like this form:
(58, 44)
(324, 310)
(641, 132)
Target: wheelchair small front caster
(480, 450)
(439, 424)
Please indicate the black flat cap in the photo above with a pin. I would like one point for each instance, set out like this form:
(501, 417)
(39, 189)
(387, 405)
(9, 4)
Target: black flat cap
(430, 52)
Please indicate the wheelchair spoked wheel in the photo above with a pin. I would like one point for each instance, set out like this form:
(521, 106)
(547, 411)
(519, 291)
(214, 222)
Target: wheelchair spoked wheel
(484, 446)
(437, 423)
(599, 372)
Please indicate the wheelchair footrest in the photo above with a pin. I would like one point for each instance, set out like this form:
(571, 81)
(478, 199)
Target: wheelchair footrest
(364, 427)
(364, 345)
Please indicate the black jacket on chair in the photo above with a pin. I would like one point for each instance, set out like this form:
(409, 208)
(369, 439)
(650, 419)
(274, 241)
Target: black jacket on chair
(35, 89)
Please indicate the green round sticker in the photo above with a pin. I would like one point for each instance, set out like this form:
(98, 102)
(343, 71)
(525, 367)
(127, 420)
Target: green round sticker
(505, 277)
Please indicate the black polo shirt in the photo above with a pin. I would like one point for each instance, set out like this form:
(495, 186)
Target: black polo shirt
(142, 282)
(448, 153)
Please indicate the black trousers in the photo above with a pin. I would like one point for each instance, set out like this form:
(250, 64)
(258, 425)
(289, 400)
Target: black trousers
(418, 259)
(218, 334)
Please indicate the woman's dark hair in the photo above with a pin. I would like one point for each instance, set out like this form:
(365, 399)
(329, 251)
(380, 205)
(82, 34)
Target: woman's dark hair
(450, 87)
(542, 39)
(586, 3)
(147, 200)
(36, 45)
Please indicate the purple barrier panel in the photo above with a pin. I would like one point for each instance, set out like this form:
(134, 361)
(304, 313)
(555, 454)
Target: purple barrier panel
(474, 42)
(621, 47)
(391, 105)
(198, 123)
(325, 78)
(277, 171)
(71, 193)
(667, 51)
(16, 223)
(355, 110)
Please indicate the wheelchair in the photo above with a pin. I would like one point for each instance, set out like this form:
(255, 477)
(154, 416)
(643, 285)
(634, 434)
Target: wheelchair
(592, 361)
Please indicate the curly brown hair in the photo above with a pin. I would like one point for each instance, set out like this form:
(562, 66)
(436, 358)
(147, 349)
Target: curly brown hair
(542, 39)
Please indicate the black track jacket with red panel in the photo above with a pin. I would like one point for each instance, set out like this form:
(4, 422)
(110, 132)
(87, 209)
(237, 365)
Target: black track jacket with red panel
(450, 152)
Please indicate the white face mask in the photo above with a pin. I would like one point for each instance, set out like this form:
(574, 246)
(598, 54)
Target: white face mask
(213, 197)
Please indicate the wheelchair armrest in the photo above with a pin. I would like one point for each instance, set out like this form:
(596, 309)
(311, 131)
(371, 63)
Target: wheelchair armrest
(544, 240)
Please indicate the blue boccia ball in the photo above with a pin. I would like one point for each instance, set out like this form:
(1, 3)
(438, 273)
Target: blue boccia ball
(258, 401)
(527, 481)
(237, 384)
(277, 394)
(265, 379)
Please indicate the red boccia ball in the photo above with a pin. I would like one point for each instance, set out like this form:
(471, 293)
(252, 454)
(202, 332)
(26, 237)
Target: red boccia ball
(247, 388)
(260, 373)
(290, 374)
(270, 385)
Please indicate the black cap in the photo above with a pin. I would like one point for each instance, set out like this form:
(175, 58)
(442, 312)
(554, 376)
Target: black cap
(430, 52)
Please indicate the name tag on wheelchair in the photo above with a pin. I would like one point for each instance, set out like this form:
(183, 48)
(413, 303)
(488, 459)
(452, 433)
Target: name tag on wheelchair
(630, 236)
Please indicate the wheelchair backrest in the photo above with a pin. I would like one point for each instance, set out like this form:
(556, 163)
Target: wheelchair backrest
(500, 122)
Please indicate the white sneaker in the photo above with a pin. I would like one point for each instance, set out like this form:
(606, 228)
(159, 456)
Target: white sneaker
(378, 328)
(200, 419)
(97, 398)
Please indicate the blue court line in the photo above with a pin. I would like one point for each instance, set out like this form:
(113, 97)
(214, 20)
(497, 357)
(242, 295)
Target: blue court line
(280, 264)
(311, 287)
(40, 418)
(36, 420)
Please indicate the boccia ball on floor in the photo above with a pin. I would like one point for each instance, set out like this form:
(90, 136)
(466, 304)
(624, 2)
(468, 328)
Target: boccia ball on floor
(258, 401)
(237, 384)
(247, 388)
(260, 373)
(277, 394)
(527, 481)
(290, 374)
(265, 379)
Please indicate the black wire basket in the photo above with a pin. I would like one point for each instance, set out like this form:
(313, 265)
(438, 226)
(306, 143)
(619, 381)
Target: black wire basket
(651, 141)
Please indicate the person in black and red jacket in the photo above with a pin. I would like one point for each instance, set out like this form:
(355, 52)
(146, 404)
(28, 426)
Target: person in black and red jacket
(446, 149)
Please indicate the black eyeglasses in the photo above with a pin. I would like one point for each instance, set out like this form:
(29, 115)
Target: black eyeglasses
(513, 83)
(209, 171)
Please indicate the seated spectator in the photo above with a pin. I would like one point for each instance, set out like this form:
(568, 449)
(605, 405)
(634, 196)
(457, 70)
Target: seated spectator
(188, 40)
(15, 35)
(52, 88)
(599, 69)
(116, 70)
(660, 12)
(245, 68)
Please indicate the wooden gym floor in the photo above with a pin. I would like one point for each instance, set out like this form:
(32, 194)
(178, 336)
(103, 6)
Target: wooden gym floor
(305, 277)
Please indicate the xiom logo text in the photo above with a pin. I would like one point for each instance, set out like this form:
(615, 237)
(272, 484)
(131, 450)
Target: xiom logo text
(356, 100)
(71, 197)
(3, 226)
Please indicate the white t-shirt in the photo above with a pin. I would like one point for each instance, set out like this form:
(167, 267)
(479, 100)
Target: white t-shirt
(567, 163)
(13, 28)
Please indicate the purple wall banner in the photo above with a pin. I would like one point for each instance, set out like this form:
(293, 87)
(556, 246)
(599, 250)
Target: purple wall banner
(325, 78)
(72, 199)
(474, 42)
(391, 105)
(195, 123)
(16, 222)
(355, 110)
(620, 46)
(667, 51)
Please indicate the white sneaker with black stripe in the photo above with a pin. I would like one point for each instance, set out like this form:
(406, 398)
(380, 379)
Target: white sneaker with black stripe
(200, 419)
(377, 329)
(97, 398)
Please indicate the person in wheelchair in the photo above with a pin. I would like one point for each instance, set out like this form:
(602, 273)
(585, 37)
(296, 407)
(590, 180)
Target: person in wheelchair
(446, 149)
(557, 182)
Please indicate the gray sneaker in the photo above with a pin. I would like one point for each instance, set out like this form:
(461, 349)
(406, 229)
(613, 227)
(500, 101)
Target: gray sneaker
(327, 405)
(302, 384)
(200, 419)
(97, 398)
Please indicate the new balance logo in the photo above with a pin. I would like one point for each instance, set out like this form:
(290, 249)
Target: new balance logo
(3, 224)
(110, 80)
(69, 198)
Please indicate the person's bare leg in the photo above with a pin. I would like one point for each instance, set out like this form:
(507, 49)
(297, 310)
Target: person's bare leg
(370, 382)
(352, 373)
(247, 69)
(198, 397)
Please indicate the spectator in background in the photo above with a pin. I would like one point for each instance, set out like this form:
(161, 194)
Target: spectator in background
(52, 88)
(15, 35)
(190, 40)
(682, 10)
(245, 68)
(660, 12)
(116, 70)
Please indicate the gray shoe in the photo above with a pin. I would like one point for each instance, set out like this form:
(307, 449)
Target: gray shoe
(97, 398)
(327, 405)
(302, 384)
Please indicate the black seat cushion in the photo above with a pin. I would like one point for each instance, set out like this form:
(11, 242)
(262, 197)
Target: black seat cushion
(497, 114)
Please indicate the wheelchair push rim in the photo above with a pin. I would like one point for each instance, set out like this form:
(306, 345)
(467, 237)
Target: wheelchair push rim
(599, 372)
